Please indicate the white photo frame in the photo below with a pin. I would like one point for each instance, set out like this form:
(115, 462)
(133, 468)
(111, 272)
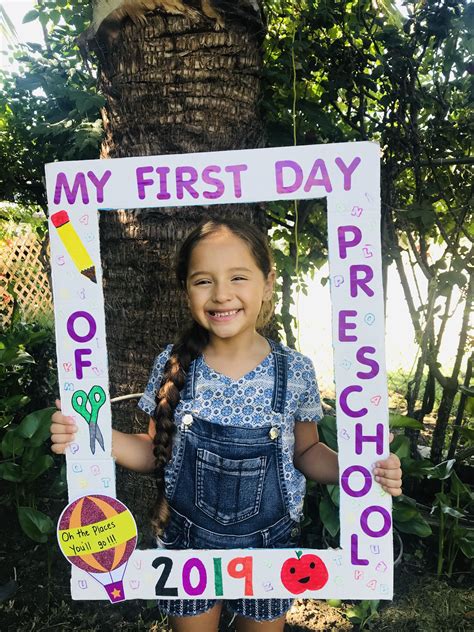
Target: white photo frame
(348, 175)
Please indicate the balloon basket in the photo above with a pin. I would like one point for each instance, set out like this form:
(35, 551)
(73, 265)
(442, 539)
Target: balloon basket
(115, 591)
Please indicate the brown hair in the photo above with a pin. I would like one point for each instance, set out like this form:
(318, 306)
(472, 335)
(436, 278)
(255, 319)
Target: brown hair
(191, 344)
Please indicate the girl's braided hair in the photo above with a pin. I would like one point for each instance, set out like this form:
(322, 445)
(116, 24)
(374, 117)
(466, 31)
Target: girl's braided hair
(191, 344)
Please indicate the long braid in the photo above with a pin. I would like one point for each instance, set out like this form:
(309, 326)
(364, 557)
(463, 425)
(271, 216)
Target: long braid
(182, 354)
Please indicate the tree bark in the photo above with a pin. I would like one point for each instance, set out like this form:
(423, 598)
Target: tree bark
(452, 386)
(174, 85)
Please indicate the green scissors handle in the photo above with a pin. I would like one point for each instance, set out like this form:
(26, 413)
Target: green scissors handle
(96, 399)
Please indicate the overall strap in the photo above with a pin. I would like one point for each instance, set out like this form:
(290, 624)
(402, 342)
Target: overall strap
(189, 388)
(281, 376)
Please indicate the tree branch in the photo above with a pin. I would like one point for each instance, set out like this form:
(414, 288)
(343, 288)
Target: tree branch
(424, 268)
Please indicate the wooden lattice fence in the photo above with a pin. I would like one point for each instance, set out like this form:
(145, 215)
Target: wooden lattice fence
(21, 266)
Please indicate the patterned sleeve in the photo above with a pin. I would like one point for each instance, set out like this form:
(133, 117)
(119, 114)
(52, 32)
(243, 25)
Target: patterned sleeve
(309, 405)
(147, 401)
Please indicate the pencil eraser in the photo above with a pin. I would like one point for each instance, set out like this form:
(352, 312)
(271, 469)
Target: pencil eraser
(59, 218)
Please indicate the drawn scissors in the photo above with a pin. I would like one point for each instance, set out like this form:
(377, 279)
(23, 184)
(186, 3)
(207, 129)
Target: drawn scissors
(95, 399)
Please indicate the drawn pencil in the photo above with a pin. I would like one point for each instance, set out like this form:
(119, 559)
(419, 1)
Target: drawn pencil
(73, 244)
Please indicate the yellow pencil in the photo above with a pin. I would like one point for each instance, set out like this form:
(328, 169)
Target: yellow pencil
(73, 244)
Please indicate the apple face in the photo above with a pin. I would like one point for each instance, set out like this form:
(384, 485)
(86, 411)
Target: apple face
(307, 572)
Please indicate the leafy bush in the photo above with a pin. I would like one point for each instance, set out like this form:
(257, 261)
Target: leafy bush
(454, 506)
(28, 380)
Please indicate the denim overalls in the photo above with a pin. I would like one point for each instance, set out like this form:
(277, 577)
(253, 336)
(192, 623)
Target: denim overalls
(228, 491)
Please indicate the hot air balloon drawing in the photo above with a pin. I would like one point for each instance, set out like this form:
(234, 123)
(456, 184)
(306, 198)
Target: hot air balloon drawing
(98, 534)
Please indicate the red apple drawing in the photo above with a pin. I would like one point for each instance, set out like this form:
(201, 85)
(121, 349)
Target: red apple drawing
(307, 572)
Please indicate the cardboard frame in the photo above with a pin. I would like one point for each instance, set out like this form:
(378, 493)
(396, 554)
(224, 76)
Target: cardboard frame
(348, 175)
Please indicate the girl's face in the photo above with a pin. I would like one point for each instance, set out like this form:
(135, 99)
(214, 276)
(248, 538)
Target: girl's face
(225, 286)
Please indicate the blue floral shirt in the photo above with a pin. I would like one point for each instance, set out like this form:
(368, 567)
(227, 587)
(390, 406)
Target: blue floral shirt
(247, 403)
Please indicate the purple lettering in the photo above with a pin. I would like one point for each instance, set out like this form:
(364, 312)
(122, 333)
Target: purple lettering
(236, 170)
(182, 184)
(355, 560)
(99, 183)
(163, 193)
(345, 481)
(344, 244)
(362, 282)
(196, 563)
(298, 174)
(344, 325)
(215, 182)
(354, 388)
(323, 181)
(374, 366)
(80, 363)
(143, 182)
(364, 521)
(376, 438)
(347, 171)
(71, 194)
(71, 321)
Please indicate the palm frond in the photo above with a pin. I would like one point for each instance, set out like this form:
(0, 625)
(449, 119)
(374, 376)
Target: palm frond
(390, 10)
(7, 28)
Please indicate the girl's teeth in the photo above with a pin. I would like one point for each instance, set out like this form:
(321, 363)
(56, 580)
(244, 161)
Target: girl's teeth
(223, 314)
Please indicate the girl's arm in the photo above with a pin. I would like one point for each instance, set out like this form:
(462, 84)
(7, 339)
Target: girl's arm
(319, 463)
(132, 451)
(311, 457)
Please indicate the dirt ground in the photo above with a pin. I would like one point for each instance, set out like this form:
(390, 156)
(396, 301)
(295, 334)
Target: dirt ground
(41, 601)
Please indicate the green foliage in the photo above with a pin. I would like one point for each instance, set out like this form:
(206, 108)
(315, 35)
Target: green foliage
(35, 524)
(454, 507)
(329, 509)
(27, 370)
(408, 519)
(452, 511)
(49, 108)
(11, 215)
(27, 378)
(403, 421)
(328, 431)
(363, 613)
(356, 70)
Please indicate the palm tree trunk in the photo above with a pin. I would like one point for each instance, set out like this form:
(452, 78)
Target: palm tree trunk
(174, 85)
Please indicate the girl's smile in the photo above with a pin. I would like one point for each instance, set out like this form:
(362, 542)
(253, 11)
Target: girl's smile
(223, 316)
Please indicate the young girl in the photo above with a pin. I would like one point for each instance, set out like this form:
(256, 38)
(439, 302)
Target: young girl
(232, 433)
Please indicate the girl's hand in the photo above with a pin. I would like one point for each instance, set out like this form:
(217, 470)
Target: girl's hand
(62, 430)
(389, 474)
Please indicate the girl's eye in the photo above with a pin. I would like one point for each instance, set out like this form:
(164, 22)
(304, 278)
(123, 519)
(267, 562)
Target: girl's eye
(201, 282)
(239, 278)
